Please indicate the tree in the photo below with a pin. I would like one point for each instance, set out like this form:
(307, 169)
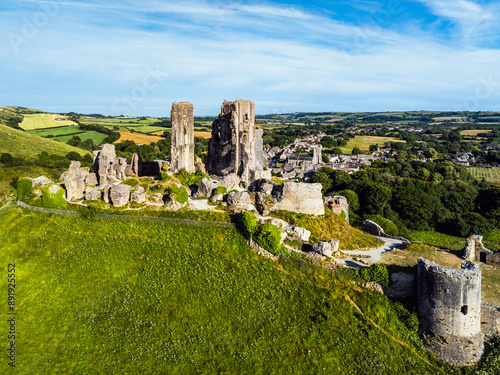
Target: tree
(6, 159)
(373, 148)
(323, 177)
(375, 198)
(356, 151)
(72, 155)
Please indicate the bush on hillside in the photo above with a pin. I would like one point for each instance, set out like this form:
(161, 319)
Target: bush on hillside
(24, 187)
(376, 273)
(249, 222)
(191, 179)
(180, 194)
(53, 196)
(221, 190)
(268, 236)
(389, 227)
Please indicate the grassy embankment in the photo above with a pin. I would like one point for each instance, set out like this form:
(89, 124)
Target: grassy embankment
(98, 296)
(27, 146)
(427, 244)
(328, 226)
(489, 174)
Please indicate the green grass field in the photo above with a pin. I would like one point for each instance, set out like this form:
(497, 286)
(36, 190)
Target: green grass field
(440, 240)
(43, 121)
(489, 174)
(116, 297)
(364, 142)
(95, 136)
(118, 122)
(63, 130)
(23, 144)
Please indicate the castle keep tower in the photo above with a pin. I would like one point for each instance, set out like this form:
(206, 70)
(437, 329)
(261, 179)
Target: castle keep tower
(182, 148)
(449, 303)
(236, 146)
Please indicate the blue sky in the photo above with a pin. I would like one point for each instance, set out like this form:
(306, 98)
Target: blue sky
(137, 57)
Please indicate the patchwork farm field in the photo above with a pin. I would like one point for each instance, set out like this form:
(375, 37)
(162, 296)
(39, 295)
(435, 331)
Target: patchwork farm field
(97, 296)
(138, 138)
(489, 174)
(364, 142)
(64, 134)
(474, 133)
(43, 121)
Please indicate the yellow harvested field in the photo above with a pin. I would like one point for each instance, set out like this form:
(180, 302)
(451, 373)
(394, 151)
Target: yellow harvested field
(44, 121)
(206, 135)
(364, 142)
(138, 138)
(473, 132)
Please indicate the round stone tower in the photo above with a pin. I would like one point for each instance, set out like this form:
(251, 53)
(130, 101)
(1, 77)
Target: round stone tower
(449, 304)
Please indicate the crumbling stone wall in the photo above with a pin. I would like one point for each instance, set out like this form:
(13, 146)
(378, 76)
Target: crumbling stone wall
(182, 135)
(449, 305)
(490, 321)
(475, 250)
(338, 204)
(299, 197)
(234, 143)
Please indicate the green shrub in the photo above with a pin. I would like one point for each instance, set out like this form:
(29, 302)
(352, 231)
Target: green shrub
(249, 222)
(342, 214)
(165, 176)
(191, 179)
(221, 190)
(53, 196)
(268, 236)
(24, 186)
(180, 194)
(389, 227)
(88, 212)
(131, 182)
(376, 273)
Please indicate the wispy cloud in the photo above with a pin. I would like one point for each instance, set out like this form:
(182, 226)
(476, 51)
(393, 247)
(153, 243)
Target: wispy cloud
(284, 58)
(473, 20)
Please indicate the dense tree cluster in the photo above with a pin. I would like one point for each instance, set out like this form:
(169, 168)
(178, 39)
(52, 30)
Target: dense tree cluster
(421, 196)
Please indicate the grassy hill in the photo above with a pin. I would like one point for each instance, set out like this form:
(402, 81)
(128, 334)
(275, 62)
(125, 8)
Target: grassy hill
(114, 297)
(328, 226)
(19, 143)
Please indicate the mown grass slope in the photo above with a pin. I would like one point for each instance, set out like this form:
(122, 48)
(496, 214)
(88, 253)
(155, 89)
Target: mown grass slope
(23, 144)
(116, 297)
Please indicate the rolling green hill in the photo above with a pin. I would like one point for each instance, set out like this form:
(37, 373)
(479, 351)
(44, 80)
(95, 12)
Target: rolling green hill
(113, 297)
(19, 143)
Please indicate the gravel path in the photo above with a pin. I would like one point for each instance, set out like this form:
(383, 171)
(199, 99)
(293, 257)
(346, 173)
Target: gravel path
(375, 255)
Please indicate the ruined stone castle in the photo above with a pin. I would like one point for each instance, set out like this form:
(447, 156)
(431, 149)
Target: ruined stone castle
(236, 145)
(182, 137)
(454, 323)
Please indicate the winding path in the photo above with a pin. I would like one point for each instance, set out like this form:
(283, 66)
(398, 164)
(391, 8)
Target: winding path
(375, 255)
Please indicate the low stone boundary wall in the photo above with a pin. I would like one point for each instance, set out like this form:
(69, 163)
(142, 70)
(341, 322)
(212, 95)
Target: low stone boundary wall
(129, 217)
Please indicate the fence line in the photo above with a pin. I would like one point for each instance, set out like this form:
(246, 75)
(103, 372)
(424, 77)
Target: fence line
(128, 217)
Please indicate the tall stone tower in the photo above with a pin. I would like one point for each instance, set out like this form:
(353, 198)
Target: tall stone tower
(182, 147)
(449, 304)
(317, 157)
(235, 143)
